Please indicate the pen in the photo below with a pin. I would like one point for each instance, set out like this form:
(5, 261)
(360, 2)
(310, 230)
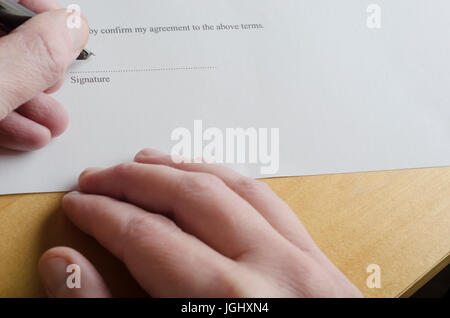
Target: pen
(13, 14)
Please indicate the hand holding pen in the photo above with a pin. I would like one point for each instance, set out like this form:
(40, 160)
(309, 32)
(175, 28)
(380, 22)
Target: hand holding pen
(33, 60)
(12, 15)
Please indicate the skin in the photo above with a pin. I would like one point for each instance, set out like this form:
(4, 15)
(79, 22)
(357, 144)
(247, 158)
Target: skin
(182, 230)
(191, 230)
(33, 61)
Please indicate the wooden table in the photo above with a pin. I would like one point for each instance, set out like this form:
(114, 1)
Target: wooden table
(399, 220)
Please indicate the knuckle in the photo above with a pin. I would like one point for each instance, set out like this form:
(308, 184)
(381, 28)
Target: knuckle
(50, 61)
(140, 226)
(230, 282)
(4, 111)
(199, 182)
(132, 233)
(139, 233)
(124, 170)
(248, 185)
(136, 227)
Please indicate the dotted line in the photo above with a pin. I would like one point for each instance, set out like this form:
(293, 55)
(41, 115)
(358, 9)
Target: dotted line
(149, 70)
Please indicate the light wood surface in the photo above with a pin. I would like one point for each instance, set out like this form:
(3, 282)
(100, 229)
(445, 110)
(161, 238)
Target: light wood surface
(399, 220)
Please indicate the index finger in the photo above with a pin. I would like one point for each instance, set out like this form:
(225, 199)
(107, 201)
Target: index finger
(163, 259)
(39, 6)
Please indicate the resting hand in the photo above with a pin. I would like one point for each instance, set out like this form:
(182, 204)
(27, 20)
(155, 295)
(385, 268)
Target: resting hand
(191, 230)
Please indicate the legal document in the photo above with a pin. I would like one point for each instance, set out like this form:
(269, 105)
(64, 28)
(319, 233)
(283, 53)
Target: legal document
(269, 88)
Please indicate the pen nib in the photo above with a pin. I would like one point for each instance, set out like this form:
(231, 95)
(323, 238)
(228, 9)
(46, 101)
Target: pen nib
(84, 55)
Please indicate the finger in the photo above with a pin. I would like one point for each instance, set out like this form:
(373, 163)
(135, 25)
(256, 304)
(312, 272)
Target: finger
(162, 258)
(257, 193)
(46, 111)
(55, 86)
(39, 6)
(200, 204)
(20, 133)
(35, 56)
(66, 273)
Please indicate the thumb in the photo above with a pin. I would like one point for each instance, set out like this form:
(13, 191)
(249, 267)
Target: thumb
(66, 273)
(35, 56)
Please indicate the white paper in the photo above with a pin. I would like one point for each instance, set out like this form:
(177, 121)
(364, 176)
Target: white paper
(345, 97)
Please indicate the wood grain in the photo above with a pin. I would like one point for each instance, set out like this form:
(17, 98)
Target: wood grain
(399, 220)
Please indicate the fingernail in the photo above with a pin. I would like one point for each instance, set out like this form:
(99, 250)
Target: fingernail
(89, 171)
(53, 272)
(149, 153)
(73, 193)
(178, 159)
(78, 32)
